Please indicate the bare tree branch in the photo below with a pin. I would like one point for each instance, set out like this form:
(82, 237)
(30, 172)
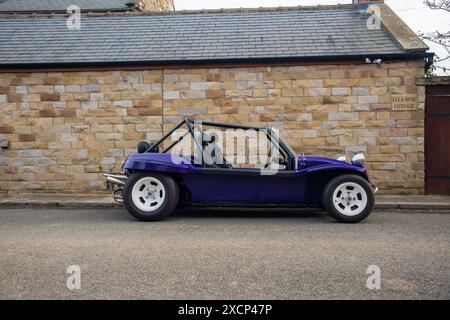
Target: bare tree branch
(440, 38)
(438, 4)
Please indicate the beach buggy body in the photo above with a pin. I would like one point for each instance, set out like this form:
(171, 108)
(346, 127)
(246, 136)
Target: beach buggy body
(154, 183)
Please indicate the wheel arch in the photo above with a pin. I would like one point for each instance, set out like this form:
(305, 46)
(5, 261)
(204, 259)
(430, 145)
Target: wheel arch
(317, 181)
(177, 177)
(166, 201)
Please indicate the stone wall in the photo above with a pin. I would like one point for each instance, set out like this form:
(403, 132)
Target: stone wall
(67, 128)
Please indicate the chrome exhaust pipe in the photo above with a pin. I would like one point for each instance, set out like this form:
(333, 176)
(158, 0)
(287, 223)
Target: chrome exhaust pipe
(117, 195)
(116, 176)
(115, 181)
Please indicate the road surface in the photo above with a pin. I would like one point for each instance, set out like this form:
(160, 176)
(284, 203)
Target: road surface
(206, 254)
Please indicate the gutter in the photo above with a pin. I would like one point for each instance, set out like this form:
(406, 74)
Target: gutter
(428, 56)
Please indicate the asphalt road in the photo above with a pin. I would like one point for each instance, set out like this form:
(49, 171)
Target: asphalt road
(204, 254)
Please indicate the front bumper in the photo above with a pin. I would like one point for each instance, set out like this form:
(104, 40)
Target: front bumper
(374, 188)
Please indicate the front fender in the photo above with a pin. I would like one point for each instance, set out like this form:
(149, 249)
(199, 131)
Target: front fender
(341, 168)
(318, 177)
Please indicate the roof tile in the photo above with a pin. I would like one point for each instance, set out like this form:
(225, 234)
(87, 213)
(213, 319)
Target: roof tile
(181, 37)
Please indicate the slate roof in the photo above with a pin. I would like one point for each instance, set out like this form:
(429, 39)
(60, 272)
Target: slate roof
(61, 5)
(191, 37)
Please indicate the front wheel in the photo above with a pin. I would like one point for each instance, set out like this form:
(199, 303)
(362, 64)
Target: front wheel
(349, 198)
(150, 196)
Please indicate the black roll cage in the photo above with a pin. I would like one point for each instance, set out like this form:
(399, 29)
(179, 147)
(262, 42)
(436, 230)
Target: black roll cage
(272, 136)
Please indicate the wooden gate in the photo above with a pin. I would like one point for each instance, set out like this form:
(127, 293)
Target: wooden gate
(437, 140)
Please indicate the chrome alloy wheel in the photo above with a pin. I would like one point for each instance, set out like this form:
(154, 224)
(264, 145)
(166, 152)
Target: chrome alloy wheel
(148, 194)
(350, 199)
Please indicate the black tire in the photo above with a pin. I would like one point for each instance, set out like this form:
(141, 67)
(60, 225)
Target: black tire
(330, 206)
(169, 203)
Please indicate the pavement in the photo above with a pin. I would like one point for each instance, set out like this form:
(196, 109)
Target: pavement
(383, 202)
(222, 254)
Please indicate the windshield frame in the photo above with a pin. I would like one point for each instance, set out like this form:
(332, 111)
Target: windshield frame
(284, 146)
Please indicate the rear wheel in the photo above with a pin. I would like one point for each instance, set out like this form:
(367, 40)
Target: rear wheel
(348, 198)
(150, 196)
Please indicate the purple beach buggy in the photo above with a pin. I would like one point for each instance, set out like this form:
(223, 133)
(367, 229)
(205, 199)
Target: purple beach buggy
(155, 181)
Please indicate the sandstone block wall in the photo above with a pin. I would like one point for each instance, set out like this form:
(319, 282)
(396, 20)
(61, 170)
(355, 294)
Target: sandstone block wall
(66, 128)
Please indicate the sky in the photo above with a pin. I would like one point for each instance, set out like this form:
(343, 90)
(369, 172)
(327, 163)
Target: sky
(413, 12)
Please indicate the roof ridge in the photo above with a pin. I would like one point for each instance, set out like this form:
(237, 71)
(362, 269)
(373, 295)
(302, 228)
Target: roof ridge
(94, 13)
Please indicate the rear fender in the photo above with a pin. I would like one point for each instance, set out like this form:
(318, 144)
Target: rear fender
(159, 162)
